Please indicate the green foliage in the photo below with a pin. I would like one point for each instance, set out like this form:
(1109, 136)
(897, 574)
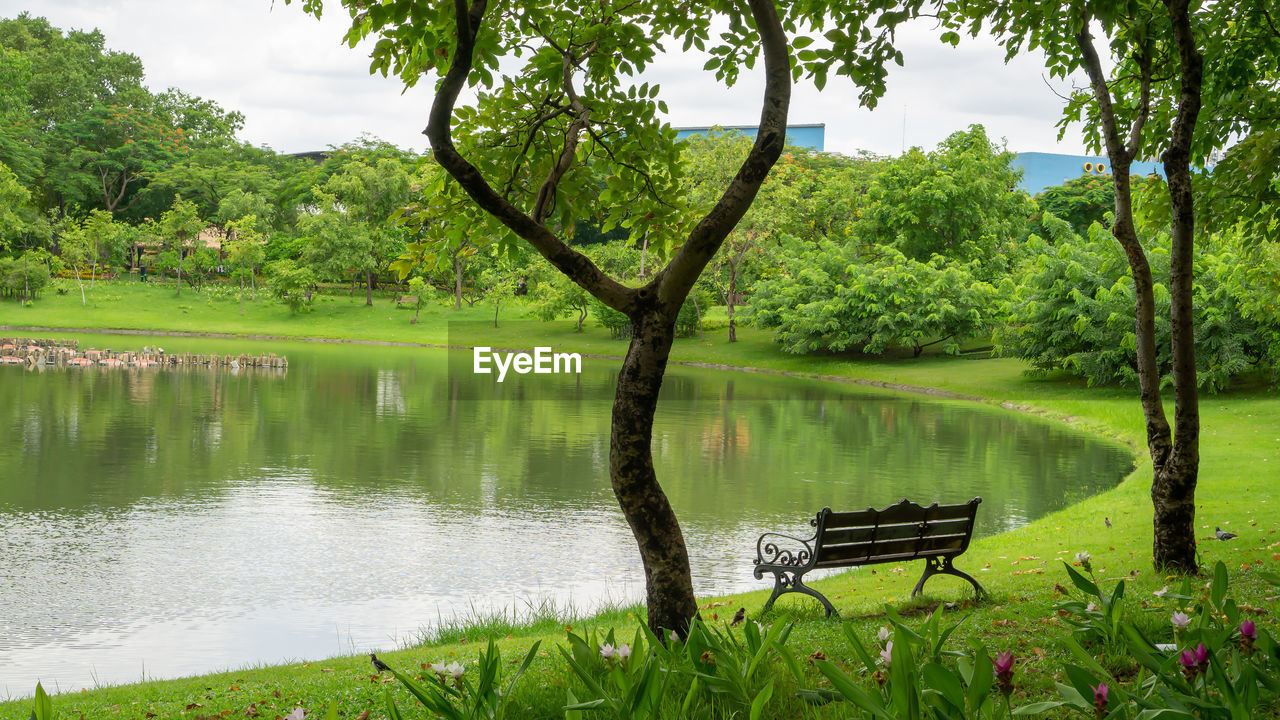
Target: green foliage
(558, 296)
(291, 283)
(1081, 201)
(1072, 308)
(832, 299)
(480, 695)
(959, 201)
(23, 277)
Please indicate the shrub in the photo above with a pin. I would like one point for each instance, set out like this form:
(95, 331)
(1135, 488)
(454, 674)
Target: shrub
(1072, 308)
(832, 299)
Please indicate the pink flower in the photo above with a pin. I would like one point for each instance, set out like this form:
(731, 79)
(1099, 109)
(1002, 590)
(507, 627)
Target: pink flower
(1100, 700)
(1180, 620)
(1249, 630)
(1004, 672)
(886, 655)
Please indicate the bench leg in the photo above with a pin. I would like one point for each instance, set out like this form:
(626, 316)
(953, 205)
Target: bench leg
(942, 566)
(786, 581)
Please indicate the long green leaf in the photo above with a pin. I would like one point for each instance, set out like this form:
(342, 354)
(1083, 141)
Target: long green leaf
(1037, 708)
(762, 699)
(850, 690)
(945, 682)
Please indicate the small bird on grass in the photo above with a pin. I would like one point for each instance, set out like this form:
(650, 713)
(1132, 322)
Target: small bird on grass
(377, 664)
(1222, 534)
(738, 617)
(1106, 521)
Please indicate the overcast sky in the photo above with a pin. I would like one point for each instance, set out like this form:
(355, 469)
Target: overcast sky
(300, 88)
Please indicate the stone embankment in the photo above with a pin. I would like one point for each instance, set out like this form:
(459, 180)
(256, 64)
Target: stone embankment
(43, 353)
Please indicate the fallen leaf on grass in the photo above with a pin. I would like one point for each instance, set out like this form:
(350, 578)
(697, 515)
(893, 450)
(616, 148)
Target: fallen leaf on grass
(252, 711)
(363, 716)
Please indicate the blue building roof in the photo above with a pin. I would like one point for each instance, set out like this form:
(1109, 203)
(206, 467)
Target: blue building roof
(811, 136)
(1042, 170)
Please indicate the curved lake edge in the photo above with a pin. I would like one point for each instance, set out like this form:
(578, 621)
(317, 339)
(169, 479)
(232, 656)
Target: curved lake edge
(1127, 440)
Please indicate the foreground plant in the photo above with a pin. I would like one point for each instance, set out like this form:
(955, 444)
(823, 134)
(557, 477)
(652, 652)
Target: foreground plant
(449, 693)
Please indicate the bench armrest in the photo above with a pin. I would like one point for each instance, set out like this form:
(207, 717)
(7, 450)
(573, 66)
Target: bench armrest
(770, 552)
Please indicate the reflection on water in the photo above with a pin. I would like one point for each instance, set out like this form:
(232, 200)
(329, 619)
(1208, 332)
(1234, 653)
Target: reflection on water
(180, 522)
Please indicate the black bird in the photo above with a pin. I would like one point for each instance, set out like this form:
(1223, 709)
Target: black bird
(1107, 521)
(739, 616)
(1222, 534)
(378, 664)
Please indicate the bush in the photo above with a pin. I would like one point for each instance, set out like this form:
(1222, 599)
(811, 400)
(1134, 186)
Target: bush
(22, 277)
(832, 299)
(1072, 308)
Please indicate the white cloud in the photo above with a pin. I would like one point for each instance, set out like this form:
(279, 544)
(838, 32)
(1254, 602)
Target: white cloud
(301, 88)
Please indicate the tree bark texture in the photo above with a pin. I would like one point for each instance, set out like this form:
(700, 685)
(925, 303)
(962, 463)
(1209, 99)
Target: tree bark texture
(668, 580)
(1174, 491)
(1174, 457)
(368, 288)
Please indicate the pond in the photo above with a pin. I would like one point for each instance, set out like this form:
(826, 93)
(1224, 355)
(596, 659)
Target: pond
(160, 523)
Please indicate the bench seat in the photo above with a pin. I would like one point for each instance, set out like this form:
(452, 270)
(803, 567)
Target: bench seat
(898, 533)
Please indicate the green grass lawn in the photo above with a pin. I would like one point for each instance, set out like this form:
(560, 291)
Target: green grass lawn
(1238, 490)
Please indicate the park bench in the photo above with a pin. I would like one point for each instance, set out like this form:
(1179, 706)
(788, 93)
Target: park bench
(898, 533)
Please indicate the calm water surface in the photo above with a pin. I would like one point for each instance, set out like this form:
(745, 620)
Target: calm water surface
(165, 523)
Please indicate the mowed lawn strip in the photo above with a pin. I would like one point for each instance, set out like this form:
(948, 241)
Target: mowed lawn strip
(1239, 490)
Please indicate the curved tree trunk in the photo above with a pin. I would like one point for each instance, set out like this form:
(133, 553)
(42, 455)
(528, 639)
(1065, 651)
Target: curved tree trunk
(668, 581)
(1173, 493)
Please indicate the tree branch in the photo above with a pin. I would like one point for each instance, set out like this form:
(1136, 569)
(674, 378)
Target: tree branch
(546, 194)
(573, 264)
(1102, 93)
(675, 280)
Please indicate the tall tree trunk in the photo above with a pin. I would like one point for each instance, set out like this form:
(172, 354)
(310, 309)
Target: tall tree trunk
(241, 290)
(368, 288)
(1173, 491)
(733, 289)
(668, 581)
(457, 283)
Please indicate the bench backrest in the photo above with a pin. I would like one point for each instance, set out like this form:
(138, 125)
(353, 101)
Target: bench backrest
(899, 532)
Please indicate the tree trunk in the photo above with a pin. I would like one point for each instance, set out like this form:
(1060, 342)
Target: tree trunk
(644, 250)
(496, 304)
(1174, 487)
(733, 289)
(457, 283)
(179, 273)
(242, 291)
(80, 282)
(368, 288)
(668, 580)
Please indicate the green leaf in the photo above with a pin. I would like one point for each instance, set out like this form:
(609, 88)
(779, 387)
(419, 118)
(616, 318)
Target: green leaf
(1085, 584)
(945, 683)
(1037, 708)
(1218, 588)
(762, 699)
(850, 690)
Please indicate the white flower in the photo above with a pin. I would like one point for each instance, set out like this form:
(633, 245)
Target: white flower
(455, 670)
(1180, 620)
(1090, 607)
(607, 651)
(886, 655)
(439, 668)
(624, 651)
(1161, 592)
(883, 635)
(1082, 557)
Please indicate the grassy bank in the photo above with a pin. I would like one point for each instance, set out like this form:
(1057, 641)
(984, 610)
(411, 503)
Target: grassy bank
(1238, 490)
